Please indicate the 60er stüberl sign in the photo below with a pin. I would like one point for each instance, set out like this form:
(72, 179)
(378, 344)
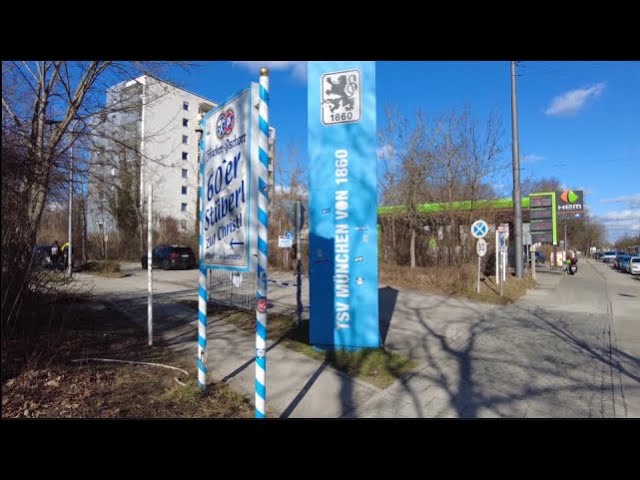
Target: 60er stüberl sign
(229, 189)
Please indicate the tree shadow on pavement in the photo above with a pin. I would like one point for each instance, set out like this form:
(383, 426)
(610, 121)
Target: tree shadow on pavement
(387, 298)
(303, 391)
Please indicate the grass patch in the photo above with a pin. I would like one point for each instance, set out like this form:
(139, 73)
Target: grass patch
(46, 383)
(455, 281)
(377, 366)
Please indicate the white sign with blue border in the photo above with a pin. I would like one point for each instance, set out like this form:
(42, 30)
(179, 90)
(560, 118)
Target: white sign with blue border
(229, 189)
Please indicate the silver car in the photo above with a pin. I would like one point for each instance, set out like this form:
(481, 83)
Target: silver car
(633, 266)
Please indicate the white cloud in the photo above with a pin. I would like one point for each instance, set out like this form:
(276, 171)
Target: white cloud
(632, 200)
(385, 152)
(572, 101)
(298, 69)
(531, 158)
(621, 222)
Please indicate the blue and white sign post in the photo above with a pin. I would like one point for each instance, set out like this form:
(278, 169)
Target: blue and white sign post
(263, 230)
(233, 205)
(343, 262)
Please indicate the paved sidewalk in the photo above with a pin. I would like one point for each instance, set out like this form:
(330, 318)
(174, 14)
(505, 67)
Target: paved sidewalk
(297, 385)
(549, 355)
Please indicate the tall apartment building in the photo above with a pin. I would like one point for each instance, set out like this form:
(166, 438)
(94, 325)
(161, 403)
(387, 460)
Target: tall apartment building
(148, 137)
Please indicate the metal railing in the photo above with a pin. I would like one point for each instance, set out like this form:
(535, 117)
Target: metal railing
(233, 289)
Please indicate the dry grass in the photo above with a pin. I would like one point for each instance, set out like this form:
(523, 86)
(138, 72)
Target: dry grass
(48, 384)
(454, 281)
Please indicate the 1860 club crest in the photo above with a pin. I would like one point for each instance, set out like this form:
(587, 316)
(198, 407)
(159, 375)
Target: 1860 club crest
(341, 97)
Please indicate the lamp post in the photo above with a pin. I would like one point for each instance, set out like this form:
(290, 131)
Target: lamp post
(100, 228)
(70, 247)
(115, 194)
(70, 256)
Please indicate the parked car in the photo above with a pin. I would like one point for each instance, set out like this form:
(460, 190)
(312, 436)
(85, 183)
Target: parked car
(171, 256)
(617, 262)
(608, 257)
(41, 256)
(633, 267)
(624, 262)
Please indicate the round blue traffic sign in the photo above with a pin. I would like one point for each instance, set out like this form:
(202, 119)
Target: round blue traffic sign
(479, 229)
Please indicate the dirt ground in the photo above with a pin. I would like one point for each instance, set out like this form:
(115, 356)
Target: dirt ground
(52, 376)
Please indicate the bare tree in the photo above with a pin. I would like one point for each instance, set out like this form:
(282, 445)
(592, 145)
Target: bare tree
(451, 158)
(48, 107)
(290, 185)
(540, 185)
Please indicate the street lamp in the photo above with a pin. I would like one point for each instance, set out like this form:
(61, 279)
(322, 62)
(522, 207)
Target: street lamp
(115, 195)
(70, 255)
(100, 226)
(73, 131)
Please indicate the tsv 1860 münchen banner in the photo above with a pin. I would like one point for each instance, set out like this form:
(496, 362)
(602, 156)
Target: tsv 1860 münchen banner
(343, 246)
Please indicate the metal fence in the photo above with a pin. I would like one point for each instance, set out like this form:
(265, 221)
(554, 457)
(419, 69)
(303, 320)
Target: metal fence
(233, 289)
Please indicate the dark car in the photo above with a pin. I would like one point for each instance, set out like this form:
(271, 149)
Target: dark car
(41, 256)
(171, 256)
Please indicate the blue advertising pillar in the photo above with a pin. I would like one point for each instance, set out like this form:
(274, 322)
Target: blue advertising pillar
(343, 240)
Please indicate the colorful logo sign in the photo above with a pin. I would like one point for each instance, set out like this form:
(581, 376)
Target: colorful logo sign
(570, 200)
(262, 305)
(568, 196)
(225, 123)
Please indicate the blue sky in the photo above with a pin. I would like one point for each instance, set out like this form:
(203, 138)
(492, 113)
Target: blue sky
(578, 121)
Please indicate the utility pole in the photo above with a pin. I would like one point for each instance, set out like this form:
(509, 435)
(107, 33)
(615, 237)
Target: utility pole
(517, 208)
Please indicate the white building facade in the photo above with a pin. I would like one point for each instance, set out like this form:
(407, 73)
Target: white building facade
(149, 136)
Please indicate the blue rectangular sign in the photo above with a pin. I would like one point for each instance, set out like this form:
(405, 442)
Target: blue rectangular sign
(343, 241)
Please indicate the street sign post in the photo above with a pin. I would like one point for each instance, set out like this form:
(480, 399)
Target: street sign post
(481, 249)
(234, 162)
(502, 242)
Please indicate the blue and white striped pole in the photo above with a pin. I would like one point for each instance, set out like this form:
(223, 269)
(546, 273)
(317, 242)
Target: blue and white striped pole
(263, 228)
(202, 279)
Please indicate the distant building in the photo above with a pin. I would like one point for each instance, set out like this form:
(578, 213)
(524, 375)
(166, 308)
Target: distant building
(149, 138)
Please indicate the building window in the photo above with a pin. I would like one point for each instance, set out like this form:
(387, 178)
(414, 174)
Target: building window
(183, 224)
(185, 122)
(184, 207)
(185, 106)
(185, 139)
(185, 155)
(184, 189)
(185, 173)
